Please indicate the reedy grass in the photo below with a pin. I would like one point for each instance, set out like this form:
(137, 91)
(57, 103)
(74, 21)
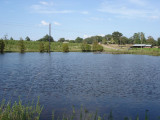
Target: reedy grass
(18, 111)
(84, 114)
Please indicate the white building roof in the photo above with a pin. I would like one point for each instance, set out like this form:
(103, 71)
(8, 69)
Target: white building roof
(141, 45)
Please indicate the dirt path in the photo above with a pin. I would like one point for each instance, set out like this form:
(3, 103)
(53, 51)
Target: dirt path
(109, 47)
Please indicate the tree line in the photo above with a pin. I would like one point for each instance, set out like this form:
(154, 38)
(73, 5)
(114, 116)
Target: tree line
(87, 44)
(114, 38)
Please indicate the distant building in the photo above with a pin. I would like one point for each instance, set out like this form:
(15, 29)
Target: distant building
(141, 46)
(65, 42)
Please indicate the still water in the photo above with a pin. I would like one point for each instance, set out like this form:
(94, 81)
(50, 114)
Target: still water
(125, 84)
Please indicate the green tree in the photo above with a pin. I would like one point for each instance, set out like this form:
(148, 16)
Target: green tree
(96, 47)
(46, 38)
(124, 40)
(2, 46)
(78, 40)
(71, 41)
(85, 47)
(104, 41)
(109, 38)
(47, 46)
(88, 40)
(139, 38)
(11, 38)
(41, 47)
(136, 38)
(61, 40)
(158, 41)
(99, 38)
(116, 37)
(65, 48)
(28, 39)
(21, 46)
(151, 41)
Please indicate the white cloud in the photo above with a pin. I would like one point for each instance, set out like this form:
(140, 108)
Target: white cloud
(86, 36)
(44, 23)
(47, 8)
(85, 12)
(56, 23)
(102, 35)
(55, 11)
(126, 9)
(96, 19)
(44, 3)
(138, 2)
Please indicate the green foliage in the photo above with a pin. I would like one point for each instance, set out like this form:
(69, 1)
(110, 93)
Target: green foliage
(71, 41)
(139, 38)
(41, 47)
(104, 41)
(46, 38)
(124, 40)
(2, 46)
(85, 47)
(78, 40)
(27, 39)
(65, 48)
(108, 37)
(96, 47)
(11, 38)
(18, 111)
(158, 41)
(116, 37)
(61, 40)
(21, 46)
(32, 111)
(151, 41)
(47, 46)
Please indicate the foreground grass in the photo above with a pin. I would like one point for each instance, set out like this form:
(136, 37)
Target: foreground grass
(18, 111)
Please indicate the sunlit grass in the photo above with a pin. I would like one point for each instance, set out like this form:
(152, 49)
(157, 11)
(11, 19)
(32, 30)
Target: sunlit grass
(18, 111)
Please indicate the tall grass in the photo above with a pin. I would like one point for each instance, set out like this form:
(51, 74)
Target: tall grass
(18, 111)
(34, 46)
(138, 51)
(84, 114)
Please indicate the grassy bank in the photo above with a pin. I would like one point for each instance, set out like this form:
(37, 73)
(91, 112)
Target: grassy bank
(34, 46)
(137, 51)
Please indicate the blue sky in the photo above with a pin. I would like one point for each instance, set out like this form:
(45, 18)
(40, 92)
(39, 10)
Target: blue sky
(83, 18)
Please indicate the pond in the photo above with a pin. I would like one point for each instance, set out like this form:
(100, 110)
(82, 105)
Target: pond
(125, 84)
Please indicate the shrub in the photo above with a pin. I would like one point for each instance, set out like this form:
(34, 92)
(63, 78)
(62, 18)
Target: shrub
(41, 47)
(65, 48)
(96, 47)
(47, 47)
(85, 47)
(2, 46)
(21, 46)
